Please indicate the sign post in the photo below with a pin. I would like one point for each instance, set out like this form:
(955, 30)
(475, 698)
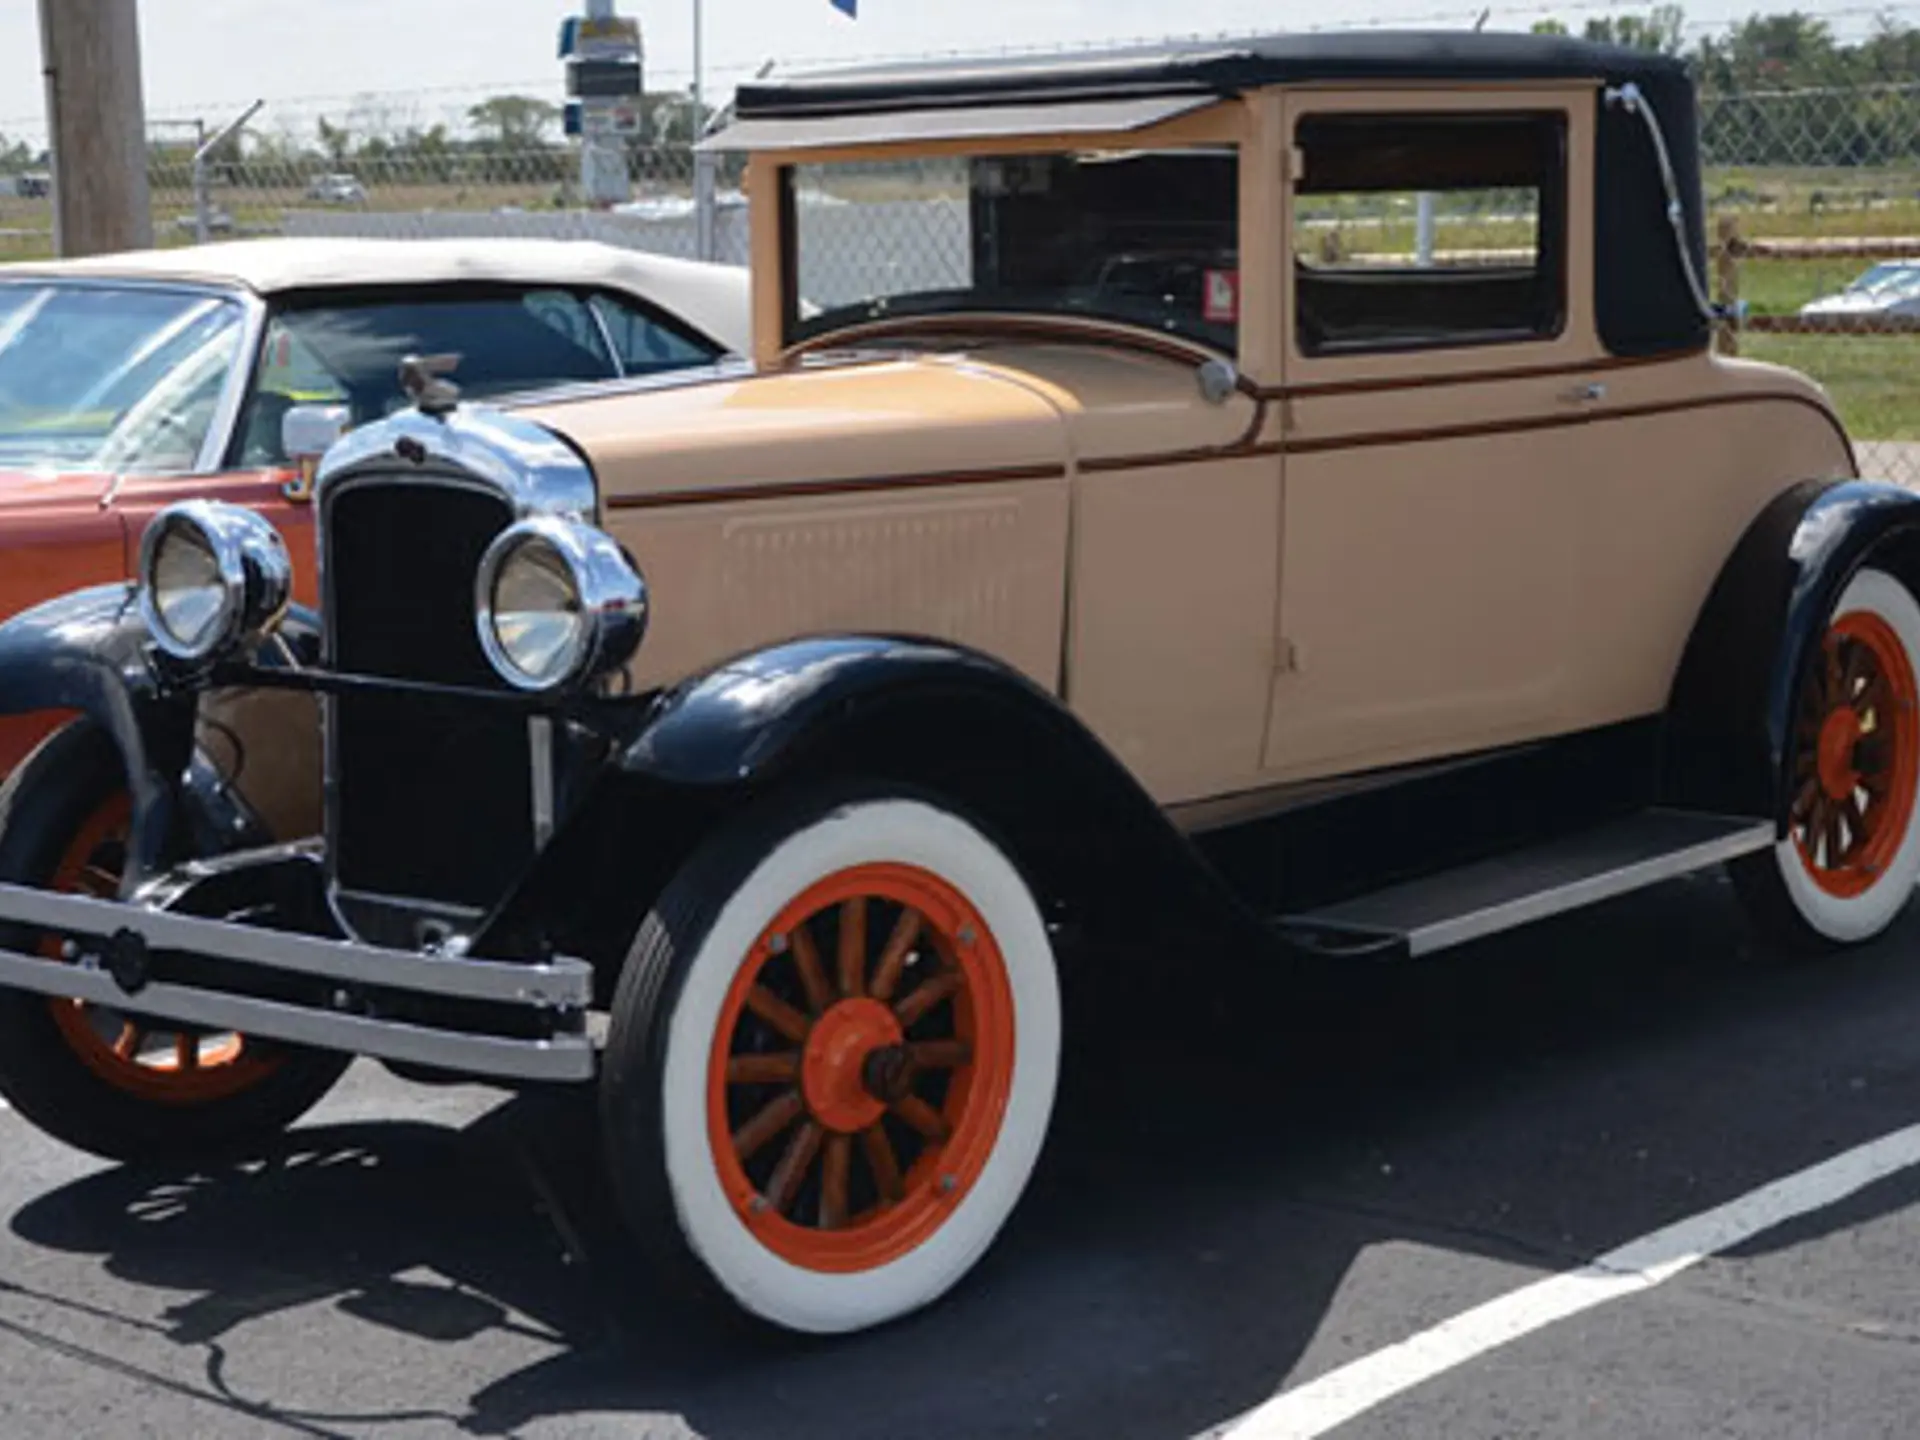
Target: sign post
(604, 58)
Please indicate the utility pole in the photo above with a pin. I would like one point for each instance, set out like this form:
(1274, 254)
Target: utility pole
(706, 240)
(96, 122)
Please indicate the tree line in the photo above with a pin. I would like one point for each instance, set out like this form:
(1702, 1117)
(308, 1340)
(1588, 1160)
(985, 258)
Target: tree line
(1780, 89)
(1785, 89)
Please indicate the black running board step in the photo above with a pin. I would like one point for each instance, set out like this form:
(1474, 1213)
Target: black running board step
(1455, 907)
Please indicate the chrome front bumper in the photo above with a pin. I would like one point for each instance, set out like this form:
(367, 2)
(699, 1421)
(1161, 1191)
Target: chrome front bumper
(111, 942)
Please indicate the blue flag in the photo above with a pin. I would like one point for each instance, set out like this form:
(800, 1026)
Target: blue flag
(849, 8)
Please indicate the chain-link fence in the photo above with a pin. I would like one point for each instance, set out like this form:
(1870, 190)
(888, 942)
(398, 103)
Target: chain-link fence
(1814, 197)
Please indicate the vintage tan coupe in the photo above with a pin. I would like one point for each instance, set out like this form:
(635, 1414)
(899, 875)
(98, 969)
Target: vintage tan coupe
(1287, 481)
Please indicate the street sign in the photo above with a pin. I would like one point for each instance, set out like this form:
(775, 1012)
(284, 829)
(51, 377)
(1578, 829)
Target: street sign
(603, 119)
(603, 79)
(616, 37)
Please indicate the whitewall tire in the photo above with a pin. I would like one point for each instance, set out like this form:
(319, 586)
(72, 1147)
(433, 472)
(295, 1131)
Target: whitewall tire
(1850, 862)
(833, 1060)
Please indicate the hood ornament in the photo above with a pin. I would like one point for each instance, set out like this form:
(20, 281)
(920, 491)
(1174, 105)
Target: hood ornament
(424, 378)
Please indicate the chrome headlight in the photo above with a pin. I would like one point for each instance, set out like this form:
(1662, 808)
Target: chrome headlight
(211, 576)
(558, 604)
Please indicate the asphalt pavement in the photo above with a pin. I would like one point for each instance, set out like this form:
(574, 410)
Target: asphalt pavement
(1250, 1190)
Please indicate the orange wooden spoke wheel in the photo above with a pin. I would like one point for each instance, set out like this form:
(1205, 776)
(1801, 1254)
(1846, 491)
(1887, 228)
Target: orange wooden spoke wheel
(169, 1067)
(1857, 756)
(861, 1068)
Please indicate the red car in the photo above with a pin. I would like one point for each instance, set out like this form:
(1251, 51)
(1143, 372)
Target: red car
(128, 382)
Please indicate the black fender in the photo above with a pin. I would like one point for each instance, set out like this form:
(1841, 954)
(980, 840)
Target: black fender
(1730, 718)
(917, 714)
(89, 652)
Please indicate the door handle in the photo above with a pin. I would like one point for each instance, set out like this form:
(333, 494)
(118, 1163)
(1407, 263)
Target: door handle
(1589, 394)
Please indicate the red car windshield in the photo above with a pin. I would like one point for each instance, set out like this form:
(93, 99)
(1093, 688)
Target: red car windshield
(114, 378)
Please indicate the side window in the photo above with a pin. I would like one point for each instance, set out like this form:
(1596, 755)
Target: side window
(1421, 231)
(644, 344)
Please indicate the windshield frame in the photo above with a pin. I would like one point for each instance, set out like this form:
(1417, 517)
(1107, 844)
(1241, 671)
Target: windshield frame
(1229, 123)
(226, 411)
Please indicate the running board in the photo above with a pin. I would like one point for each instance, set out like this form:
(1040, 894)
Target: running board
(1455, 907)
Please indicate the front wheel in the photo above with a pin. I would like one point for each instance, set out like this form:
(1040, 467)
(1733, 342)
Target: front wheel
(832, 1062)
(1851, 858)
(104, 1081)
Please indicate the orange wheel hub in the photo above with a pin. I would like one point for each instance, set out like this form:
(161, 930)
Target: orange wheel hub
(842, 1052)
(861, 1068)
(183, 1067)
(1857, 756)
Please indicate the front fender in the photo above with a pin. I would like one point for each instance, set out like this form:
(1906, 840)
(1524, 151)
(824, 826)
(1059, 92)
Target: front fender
(745, 722)
(1730, 720)
(907, 714)
(89, 652)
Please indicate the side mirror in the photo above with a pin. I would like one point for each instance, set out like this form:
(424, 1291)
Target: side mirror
(306, 433)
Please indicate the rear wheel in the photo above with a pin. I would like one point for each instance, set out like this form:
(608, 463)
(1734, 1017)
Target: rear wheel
(106, 1081)
(1851, 858)
(832, 1063)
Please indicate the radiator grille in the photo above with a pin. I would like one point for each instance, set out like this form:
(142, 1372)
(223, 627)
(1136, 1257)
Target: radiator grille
(430, 798)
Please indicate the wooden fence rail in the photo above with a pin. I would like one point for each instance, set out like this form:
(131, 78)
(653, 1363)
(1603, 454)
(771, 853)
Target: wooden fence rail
(1733, 249)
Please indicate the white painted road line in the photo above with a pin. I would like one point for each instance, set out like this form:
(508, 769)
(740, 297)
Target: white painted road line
(1338, 1396)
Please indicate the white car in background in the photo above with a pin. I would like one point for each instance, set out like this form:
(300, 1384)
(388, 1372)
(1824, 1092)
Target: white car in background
(338, 189)
(1889, 291)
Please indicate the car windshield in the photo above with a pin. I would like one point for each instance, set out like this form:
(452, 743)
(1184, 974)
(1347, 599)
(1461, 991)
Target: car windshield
(119, 378)
(1890, 279)
(1142, 237)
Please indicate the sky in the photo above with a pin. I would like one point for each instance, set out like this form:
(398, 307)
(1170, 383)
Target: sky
(210, 58)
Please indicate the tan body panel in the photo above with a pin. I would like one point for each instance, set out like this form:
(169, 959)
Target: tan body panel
(1175, 572)
(1446, 566)
(1503, 561)
(1354, 562)
(981, 565)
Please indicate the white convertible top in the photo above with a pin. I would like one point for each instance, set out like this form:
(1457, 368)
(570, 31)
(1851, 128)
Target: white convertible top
(712, 298)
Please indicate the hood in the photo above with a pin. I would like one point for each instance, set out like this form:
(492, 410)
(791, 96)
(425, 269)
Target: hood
(1003, 407)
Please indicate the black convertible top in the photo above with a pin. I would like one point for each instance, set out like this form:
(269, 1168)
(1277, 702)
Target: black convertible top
(1204, 68)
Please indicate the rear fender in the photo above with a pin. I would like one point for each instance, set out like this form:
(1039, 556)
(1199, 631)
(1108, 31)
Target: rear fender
(1730, 719)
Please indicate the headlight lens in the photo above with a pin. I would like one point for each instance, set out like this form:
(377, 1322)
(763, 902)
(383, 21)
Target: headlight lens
(536, 612)
(187, 594)
(559, 603)
(211, 576)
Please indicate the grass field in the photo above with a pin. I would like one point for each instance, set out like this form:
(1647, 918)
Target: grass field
(1874, 379)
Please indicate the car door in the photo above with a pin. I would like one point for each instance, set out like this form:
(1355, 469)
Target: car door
(1441, 330)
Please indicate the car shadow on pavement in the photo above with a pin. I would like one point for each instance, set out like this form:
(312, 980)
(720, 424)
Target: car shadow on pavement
(1218, 1170)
